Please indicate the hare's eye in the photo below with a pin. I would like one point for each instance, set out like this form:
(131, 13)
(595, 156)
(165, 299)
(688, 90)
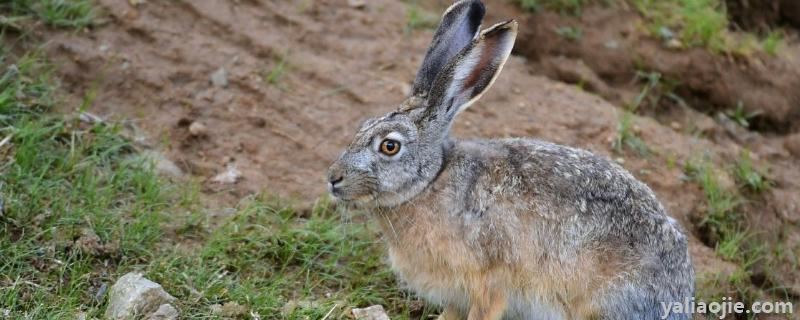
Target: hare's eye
(390, 147)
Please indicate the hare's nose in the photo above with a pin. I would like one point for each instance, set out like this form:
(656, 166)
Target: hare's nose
(335, 179)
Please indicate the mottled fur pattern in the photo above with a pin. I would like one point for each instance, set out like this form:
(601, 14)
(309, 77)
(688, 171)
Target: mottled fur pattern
(507, 229)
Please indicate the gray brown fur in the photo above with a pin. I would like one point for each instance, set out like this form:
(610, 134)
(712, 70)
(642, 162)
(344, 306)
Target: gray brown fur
(514, 228)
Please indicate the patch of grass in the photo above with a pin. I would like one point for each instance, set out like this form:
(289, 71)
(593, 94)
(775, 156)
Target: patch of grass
(57, 13)
(417, 18)
(720, 218)
(772, 42)
(748, 176)
(80, 210)
(282, 266)
(655, 88)
(563, 6)
(570, 33)
(741, 116)
(274, 75)
(699, 22)
(77, 207)
(627, 137)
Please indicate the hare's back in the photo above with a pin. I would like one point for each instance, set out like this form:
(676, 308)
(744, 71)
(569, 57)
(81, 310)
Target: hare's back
(561, 181)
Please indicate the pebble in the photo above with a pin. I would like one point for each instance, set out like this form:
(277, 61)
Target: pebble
(133, 295)
(230, 176)
(358, 4)
(220, 78)
(375, 312)
(198, 129)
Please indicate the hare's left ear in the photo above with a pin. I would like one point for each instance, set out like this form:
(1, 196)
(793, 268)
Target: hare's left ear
(468, 75)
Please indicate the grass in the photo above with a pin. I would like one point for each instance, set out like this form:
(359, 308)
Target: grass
(57, 13)
(278, 265)
(748, 176)
(772, 42)
(570, 33)
(563, 6)
(723, 228)
(627, 137)
(720, 218)
(655, 87)
(740, 116)
(698, 22)
(274, 75)
(67, 183)
(417, 18)
(79, 207)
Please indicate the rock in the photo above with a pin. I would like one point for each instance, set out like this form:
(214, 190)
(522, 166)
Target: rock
(229, 176)
(358, 4)
(133, 296)
(674, 44)
(198, 129)
(220, 78)
(165, 312)
(162, 165)
(375, 312)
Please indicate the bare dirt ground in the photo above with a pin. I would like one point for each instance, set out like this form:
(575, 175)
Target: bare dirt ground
(301, 75)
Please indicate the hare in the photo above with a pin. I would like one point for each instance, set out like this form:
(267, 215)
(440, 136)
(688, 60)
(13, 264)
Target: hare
(511, 228)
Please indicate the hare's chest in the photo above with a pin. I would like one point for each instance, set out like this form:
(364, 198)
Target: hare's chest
(428, 274)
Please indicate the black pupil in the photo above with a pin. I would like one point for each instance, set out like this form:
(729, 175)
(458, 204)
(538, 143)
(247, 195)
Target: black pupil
(390, 146)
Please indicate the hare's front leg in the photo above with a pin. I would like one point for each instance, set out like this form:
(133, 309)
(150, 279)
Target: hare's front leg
(487, 303)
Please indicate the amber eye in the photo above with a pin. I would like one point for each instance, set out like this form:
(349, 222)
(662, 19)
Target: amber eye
(390, 147)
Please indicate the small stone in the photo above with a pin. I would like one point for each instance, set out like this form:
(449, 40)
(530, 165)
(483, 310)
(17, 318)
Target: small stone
(666, 33)
(675, 125)
(220, 78)
(133, 295)
(674, 44)
(198, 129)
(165, 312)
(162, 165)
(358, 4)
(620, 160)
(611, 44)
(230, 176)
(375, 312)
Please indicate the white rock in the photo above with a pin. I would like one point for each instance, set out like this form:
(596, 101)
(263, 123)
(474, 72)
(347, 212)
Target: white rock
(133, 296)
(358, 4)
(165, 312)
(220, 78)
(198, 129)
(229, 176)
(162, 165)
(375, 312)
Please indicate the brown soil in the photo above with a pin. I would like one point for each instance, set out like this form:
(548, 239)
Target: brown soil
(151, 66)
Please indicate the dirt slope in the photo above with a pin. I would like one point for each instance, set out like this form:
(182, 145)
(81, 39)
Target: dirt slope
(152, 65)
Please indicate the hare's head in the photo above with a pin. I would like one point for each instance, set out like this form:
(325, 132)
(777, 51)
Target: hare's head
(393, 157)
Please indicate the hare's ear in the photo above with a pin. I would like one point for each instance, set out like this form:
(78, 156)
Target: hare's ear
(468, 75)
(459, 26)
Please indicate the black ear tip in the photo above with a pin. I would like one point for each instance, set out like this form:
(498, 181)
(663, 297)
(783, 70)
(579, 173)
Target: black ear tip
(476, 13)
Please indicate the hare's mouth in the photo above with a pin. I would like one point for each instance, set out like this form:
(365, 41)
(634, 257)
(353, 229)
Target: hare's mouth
(349, 193)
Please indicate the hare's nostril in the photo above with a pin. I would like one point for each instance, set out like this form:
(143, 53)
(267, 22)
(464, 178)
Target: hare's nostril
(335, 180)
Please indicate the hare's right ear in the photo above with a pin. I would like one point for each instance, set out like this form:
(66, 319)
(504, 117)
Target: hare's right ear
(460, 24)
